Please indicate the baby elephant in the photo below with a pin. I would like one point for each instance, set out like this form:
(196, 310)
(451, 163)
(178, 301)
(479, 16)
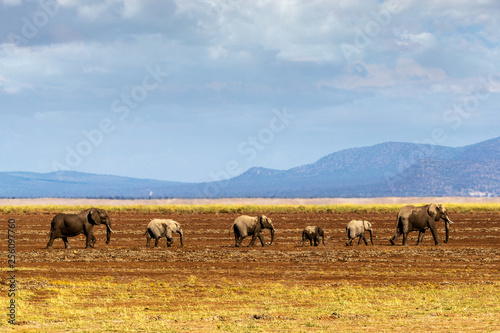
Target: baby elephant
(313, 233)
(158, 228)
(357, 228)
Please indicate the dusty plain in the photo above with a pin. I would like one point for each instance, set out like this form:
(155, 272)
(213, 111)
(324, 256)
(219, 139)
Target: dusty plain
(209, 285)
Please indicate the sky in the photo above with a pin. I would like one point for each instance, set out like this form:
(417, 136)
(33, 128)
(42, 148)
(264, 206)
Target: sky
(203, 90)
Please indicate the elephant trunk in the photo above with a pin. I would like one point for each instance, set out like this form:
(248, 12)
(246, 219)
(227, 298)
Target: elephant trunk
(371, 236)
(447, 228)
(272, 236)
(108, 233)
(447, 223)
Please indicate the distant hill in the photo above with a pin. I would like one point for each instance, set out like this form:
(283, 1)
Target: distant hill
(386, 169)
(71, 184)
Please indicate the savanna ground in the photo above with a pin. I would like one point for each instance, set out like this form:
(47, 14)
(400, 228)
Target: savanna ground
(208, 285)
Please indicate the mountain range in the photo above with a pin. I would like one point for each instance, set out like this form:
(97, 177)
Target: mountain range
(382, 170)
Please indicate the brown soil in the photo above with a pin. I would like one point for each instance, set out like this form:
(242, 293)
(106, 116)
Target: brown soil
(471, 256)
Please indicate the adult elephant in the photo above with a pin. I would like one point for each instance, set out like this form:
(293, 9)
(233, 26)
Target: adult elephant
(246, 225)
(313, 233)
(158, 228)
(411, 218)
(357, 228)
(66, 225)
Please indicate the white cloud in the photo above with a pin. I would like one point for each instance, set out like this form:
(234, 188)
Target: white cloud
(11, 2)
(48, 116)
(96, 10)
(132, 8)
(103, 10)
(406, 72)
(414, 42)
(217, 51)
(9, 86)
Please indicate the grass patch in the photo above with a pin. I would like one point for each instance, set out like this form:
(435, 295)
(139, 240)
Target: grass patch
(148, 305)
(249, 209)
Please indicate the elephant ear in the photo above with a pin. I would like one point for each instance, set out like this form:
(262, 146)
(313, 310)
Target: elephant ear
(432, 210)
(260, 220)
(94, 216)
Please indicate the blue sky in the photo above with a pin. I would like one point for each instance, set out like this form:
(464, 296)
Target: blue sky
(200, 90)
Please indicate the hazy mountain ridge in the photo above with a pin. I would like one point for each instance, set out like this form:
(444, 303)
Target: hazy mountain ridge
(386, 169)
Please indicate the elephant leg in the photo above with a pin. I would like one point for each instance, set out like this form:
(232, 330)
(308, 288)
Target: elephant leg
(349, 242)
(170, 241)
(362, 238)
(157, 241)
(254, 238)
(405, 238)
(148, 240)
(236, 237)
(93, 240)
(51, 240)
(89, 234)
(396, 236)
(435, 235)
(420, 236)
(66, 243)
(261, 240)
(399, 231)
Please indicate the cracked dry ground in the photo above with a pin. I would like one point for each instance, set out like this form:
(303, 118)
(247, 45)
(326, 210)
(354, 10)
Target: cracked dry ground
(471, 256)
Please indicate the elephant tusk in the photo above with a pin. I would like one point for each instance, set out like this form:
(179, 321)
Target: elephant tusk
(111, 230)
(449, 221)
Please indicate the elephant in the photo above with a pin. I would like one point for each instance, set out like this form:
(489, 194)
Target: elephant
(411, 218)
(159, 228)
(246, 225)
(66, 225)
(313, 233)
(357, 228)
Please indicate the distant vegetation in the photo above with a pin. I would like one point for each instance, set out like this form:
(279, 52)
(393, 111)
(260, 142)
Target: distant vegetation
(249, 209)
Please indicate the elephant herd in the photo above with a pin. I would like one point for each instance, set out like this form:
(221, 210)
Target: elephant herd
(409, 218)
